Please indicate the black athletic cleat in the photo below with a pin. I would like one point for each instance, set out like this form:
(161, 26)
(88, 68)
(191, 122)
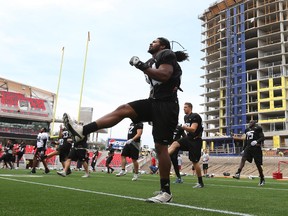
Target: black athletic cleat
(262, 182)
(237, 176)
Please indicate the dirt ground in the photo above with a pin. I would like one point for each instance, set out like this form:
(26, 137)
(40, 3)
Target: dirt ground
(219, 165)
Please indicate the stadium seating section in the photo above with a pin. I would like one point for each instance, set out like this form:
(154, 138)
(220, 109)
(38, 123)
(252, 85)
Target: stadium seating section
(11, 103)
(116, 162)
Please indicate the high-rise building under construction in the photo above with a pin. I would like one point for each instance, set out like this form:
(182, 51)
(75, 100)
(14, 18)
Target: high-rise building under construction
(245, 45)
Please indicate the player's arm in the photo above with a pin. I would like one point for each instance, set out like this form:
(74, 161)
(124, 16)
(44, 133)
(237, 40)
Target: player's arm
(60, 132)
(246, 141)
(162, 73)
(192, 128)
(138, 134)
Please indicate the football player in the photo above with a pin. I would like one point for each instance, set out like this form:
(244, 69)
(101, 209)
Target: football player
(131, 149)
(63, 149)
(161, 108)
(178, 133)
(192, 142)
(78, 152)
(254, 138)
(42, 139)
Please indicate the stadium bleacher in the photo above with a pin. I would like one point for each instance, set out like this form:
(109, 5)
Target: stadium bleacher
(12, 102)
(116, 162)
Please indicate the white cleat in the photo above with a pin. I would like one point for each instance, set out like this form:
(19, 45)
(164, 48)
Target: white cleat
(121, 173)
(135, 177)
(162, 197)
(198, 185)
(61, 173)
(86, 175)
(75, 129)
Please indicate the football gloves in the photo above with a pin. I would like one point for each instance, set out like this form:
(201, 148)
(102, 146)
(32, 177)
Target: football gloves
(253, 143)
(129, 141)
(135, 61)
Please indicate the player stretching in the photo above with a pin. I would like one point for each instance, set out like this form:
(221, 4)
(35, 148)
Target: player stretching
(254, 138)
(192, 142)
(131, 149)
(161, 108)
(65, 144)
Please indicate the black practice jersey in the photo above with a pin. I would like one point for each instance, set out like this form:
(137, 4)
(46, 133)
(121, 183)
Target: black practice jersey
(95, 155)
(191, 118)
(254, 133)
(9, 148)
(64, 137)
(22, 148)
(133, 131)
(165, 90)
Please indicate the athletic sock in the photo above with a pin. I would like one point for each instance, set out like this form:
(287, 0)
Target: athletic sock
(165, 185)
(200, 180)
(90, 128)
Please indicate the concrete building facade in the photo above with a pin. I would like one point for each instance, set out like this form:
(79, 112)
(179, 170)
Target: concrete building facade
(245, 46)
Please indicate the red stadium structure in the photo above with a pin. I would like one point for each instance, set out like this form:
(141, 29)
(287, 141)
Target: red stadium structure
(24, 110)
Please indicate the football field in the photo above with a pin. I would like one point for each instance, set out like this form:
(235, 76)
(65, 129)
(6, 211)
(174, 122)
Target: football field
(106, 194)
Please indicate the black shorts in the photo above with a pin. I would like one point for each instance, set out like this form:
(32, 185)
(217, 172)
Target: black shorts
(77, 154)
(194, 147)
(64, 151)
(130, 151)
(255, 152)
(162, 114)
(19, 155)
(7, 157)
(205, 166)
(39, 154)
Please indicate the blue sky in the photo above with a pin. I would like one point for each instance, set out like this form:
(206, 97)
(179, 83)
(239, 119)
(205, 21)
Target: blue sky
(33, 32)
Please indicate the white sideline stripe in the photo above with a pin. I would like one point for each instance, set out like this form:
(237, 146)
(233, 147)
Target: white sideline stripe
(257, 188)
(13, 175)
(128, 197)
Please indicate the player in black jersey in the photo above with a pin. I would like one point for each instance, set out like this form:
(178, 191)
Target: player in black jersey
(94, 160)
(254, 138)
(41, 146)
(178, 133)
(63, 149)
(131, 149)
(109, 158)
(192, 142)
(20, 152)
(7, 157)
(78, 152)
(161, 108)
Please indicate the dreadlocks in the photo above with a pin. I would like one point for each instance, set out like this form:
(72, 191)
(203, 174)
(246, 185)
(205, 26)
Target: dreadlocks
(180, 55)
